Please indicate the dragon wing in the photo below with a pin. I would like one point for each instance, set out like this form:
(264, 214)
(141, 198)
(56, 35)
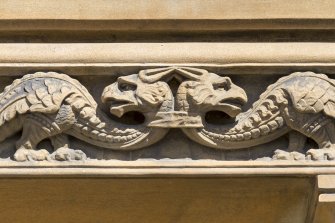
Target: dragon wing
(313, 94)
(39, 92)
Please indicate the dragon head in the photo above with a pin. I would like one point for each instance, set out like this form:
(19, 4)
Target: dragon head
(129, 93)
(210, 94)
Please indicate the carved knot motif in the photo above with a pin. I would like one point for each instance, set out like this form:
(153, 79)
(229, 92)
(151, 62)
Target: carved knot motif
(49, 105)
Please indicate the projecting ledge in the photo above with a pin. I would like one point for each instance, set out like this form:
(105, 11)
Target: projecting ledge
(179, 53)
(165, 168)
(111, 189)
(112, 193)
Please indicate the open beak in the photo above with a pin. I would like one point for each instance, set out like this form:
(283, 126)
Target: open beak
(233, 101)
(120, 102)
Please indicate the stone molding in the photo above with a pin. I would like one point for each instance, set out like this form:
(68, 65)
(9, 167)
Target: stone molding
(197, 54)
(162, 15)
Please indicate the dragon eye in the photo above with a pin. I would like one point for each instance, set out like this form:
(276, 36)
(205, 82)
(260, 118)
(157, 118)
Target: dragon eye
(221, 86)
(224, 84)
(127, 87)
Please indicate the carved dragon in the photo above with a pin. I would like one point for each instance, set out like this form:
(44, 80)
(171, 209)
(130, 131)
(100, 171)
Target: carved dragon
(302, 104)
(53, 105)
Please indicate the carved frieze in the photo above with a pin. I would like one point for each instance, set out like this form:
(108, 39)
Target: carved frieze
(54, 106)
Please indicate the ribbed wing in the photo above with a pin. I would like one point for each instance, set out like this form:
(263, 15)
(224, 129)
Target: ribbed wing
(41, 92)
(313, 95)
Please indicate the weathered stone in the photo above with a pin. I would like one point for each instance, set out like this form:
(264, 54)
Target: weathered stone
(137, 111)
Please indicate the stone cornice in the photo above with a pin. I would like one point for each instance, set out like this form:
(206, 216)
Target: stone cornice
(166, 15)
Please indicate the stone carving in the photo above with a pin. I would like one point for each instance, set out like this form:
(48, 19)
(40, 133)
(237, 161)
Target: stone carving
(149, 93)
(52, 105)
(49, 105)
(302, 104)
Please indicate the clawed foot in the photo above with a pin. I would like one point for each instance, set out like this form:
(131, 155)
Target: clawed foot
(321, 154)
(31, 155)
(66, 154)
(312, 154)
(283, 155)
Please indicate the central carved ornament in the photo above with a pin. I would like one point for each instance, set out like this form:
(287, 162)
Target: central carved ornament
(198, 92)
(52, 106)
